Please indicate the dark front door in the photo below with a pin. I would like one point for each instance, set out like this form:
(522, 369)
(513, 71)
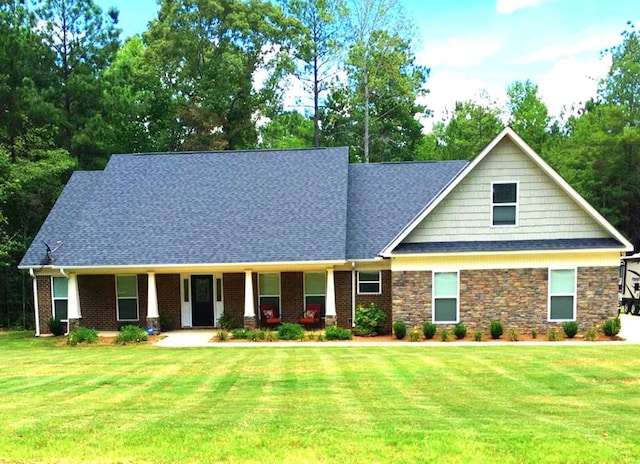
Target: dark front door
(202, 301)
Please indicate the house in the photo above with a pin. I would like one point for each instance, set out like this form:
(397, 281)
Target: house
(184, 238)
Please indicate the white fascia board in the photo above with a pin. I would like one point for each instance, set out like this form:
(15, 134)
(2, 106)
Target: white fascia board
(508, 132)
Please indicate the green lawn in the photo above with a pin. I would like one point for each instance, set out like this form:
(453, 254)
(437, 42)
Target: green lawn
(406, 404)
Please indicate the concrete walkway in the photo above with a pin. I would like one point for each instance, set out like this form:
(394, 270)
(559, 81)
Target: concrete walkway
(630, 331)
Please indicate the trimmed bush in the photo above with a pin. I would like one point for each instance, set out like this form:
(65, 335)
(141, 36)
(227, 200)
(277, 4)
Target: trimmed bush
(82, 334)
(460, 331)
(429, 330)
(611, 327)
(570, 329)
(337, 333)
(289, 331)
(56, 327)
(496, 330)
(445, 335)
(399, 329)
(369, 320)
(131, 334)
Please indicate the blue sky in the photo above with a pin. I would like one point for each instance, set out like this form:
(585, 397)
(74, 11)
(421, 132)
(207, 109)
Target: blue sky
(476, 45)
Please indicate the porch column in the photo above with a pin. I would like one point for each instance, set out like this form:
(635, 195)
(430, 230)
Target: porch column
(249, 306)
(153, 318)
(330, 304)
(73, 303)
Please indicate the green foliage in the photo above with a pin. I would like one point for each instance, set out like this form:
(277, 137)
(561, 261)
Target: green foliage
(82, 334)
(570, 328)
(514, 335)
(289, 331)
(496, 329)
(460, 331)
(445, 335)
(241, 334)
(227, 321)
(429, 330)
(553, 335)
(591, 334)
(369, 320)
(56, 326)
(415, 334)
(477, 336)
(131, 334)
(166, 322)
(528, 115)
(270, 335)
(287, 130)
(534, 333)
(611, 327)
(399, 329)
(337, 333)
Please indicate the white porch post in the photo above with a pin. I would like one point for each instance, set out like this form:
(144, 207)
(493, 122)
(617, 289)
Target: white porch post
(73, 302)
(153, 318)
(330, 303)
(249, 306)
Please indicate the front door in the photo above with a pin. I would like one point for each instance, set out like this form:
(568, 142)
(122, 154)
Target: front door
(202, 303)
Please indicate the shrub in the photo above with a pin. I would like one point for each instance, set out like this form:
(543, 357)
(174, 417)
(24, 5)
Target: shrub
(534, 333)
(82, 334)
(369, 320)
(56, 327)
(514, 335)
(257, 335)
(460, 331)
(477, 336)
(337, 333)
(611, 327)
(429, 330)
(445, 335)
(270, 335)
(496, 329)
(415, 335)
(241, 334)
(289, 331)
(131, 334)
(400, 329)
(570, 329)
(226, 321)
(222, 335)
(591, 334)
(553, 335)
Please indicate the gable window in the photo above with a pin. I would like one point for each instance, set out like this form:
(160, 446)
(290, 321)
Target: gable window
(562, 294)
(60, 289)
(369, 283)
(445, 297)
(504, 204)
(127, 301)
(269, 289)
(315, 288)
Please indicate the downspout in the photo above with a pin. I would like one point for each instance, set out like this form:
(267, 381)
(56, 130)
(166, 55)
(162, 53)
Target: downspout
(63, 273)
(353, 293)
(36, 308)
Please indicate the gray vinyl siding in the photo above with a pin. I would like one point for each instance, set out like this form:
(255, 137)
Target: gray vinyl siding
(545, 211)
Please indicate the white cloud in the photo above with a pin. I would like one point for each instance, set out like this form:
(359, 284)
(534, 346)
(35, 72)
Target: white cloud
(587, 43)
(458, 52)
(510, 6)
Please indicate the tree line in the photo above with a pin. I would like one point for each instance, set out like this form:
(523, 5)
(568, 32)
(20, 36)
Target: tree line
(219, 75)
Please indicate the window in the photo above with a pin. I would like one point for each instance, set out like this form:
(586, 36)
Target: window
(562, 294)
(445, 297)
(369, 283)
(269, 289)
(60, 287)
(315, 288)
(504, 206)
(127, 293)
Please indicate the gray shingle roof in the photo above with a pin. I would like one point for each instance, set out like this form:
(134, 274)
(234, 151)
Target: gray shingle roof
(508, 245)
(386, 197)
(215, 207)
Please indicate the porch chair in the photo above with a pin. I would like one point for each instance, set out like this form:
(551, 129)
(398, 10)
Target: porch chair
(312, 315)
(269, 315)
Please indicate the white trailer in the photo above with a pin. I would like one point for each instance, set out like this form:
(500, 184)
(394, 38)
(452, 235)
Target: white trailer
(629, 284)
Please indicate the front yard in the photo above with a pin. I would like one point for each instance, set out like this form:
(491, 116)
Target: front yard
(405, 403)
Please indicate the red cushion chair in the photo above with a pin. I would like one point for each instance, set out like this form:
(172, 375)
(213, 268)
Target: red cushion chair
(269, 314)
(312, 315)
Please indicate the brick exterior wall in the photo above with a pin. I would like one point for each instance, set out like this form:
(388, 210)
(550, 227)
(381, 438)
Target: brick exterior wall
(45, 305)
(291, 296)
(168, 290)
(516, 297)
(233, 296)
(342, 281)
(98, 301)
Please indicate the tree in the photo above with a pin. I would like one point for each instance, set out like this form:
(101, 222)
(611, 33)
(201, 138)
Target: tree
(289, 129)
(211, 54)
(528, 115)
(320, 44)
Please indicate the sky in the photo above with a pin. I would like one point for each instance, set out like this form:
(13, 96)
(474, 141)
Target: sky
(481, 46)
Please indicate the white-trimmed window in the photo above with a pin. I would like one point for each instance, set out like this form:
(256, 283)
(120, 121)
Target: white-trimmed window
(445, 297)
(60, 294)
(315, 288)
(504, 204)
(269, 289)
(127, 297)
(562, 294)
(369, 283)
